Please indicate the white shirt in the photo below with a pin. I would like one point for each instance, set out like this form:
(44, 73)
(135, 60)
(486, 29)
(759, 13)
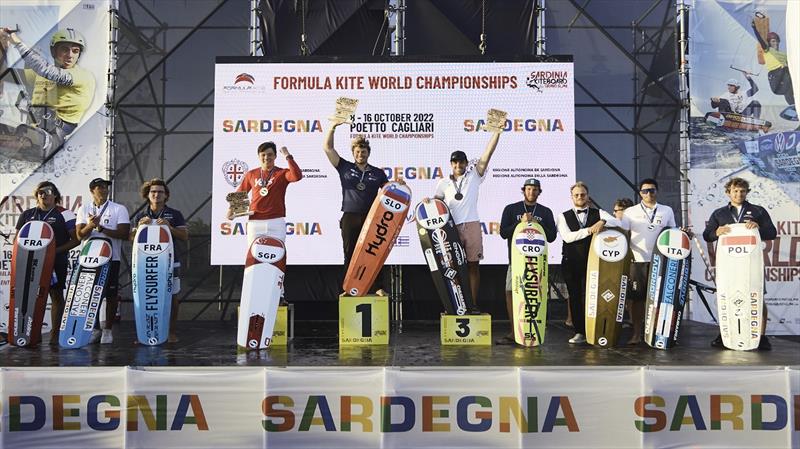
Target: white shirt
(114, 215)
(569, 236)
(644, 231)
(464, 210)
(735, 100)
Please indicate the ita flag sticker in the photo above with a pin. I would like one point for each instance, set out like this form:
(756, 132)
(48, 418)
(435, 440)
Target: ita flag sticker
(674, 244)
(95, 253)
(530, 242)
(34, 235)
(433, 214)
(153, 239)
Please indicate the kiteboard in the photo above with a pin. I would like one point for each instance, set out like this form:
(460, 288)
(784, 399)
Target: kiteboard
(606, 286)
(85, 292)
(32, 260)
(529, 285)
(737, 122)
(740, 287)
(667, 288)
(384, 221)
(262, 283)
(151, 283)
(445, 256)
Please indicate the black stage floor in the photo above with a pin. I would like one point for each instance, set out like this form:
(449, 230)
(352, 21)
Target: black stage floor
(212, 343)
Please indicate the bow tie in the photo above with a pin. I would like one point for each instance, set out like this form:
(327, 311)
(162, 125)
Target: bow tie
(582, 211)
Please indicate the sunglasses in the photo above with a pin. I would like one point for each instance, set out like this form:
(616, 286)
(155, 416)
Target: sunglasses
(619, 210)
(44, 192)
(646, 191)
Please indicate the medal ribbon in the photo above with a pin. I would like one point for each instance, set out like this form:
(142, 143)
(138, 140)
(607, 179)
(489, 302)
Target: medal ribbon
(651, 217)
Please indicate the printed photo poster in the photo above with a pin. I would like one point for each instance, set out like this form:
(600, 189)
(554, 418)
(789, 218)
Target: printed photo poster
(414, 115)
(53, 115)
(744, 124)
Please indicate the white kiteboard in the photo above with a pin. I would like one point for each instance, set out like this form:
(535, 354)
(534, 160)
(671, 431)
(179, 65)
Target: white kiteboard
(151, 283)
(740, 287)
(261, 292)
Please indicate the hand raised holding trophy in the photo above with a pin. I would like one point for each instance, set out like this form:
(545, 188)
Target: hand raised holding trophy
(496, 120)
(345, 111)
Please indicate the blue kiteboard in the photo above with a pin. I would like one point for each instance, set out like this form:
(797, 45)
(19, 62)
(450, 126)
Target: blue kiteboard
(151, 281)
(667, 288)
(85, 292)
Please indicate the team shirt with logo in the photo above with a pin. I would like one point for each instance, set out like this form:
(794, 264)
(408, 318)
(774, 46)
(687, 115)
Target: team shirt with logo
(272, 205)
(645, 224)
(354, 200)
(61, 220)
(115, 214)
(464, 210)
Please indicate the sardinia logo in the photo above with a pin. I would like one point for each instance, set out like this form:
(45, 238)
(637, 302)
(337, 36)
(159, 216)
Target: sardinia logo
(244, 78)
(234, 171)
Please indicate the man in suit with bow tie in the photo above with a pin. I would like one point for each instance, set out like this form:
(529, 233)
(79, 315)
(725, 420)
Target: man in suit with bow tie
(577, 226)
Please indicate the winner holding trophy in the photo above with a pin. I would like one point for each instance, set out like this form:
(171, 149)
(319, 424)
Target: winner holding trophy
(360, 185)
(266, 185)
(460, 192)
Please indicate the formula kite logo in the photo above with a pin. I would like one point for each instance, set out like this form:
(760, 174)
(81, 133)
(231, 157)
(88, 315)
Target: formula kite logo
(244, 78)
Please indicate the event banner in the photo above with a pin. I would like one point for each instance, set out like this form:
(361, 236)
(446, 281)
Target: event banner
(53, 115)
(744, 124)
(414, 116)
(508, 407)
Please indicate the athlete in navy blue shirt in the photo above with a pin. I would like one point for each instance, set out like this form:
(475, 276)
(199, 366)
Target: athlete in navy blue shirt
(156, 193)
(738, 210)
(48, 209)
(360, 184)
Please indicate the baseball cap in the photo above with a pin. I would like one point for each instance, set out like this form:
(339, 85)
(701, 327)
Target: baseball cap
(98, 181)
(532, 182)
(458, 155)
(734, 82)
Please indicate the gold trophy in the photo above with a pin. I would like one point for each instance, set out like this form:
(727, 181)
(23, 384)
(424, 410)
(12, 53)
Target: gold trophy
(345, 110)
(496, 120)
(239, 204)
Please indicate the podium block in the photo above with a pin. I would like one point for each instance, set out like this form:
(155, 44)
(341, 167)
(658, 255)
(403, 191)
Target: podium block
(363, 320)
(280, 334)
(474, 330)
(283, 331)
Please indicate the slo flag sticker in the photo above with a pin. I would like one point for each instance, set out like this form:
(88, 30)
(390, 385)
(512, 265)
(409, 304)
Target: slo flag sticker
(432, 215)
(395, 198)
(95, 253)
(153, 239)
(35, 235)
(674, 244)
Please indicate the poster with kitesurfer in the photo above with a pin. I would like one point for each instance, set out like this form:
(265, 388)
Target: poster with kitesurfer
(744, 124)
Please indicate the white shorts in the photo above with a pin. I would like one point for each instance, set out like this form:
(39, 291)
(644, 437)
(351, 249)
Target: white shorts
(274, 227)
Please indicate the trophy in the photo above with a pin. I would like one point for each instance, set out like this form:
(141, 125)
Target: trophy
(496, 120)
(345, 110)
(239, 203)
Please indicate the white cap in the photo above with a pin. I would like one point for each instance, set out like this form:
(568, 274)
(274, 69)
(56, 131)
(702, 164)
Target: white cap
(734, 82)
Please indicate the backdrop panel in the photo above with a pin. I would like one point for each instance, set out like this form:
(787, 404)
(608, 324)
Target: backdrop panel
(24, 159)
(723, 46)
(414, 115)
